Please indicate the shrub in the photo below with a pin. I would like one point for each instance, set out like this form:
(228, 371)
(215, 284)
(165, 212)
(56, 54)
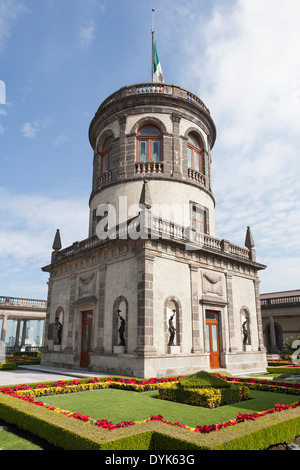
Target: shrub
(203, 379)
(288, 349)
(8, 365)
(203, 389)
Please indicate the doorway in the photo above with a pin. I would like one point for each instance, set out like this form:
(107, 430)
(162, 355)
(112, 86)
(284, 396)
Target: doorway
(87, 319)
(212, 338)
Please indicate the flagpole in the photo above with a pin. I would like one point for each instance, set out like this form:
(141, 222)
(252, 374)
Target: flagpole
(152, 32)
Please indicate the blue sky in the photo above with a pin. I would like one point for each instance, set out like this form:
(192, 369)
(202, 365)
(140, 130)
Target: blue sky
(59, 59)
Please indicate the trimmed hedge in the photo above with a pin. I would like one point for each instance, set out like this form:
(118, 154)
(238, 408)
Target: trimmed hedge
(8, 365)
(155, 434)
(206, 397)
(72, 434)
(202, 379)
(283, 370)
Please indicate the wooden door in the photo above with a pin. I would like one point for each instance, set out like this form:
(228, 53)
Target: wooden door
(212, 338)
(87, 318)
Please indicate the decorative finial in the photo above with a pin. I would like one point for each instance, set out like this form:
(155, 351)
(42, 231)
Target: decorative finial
(249, 242)
(145, 199)
(57, 241)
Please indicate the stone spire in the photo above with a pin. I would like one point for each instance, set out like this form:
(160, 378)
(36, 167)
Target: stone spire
(249, 242)
(57, 241)
(145, 199)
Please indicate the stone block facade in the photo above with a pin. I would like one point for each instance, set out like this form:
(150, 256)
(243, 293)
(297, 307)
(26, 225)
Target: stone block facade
(158, 260)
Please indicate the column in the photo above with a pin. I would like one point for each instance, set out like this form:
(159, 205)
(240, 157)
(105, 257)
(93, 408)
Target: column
(23, 333)
(17, 334)
(72, 336)
(121, 168)
(3, 330)
(99, 334)
(261, 346)
(231, 325)
(176, 149)
(145, 305)
(273, 347)
(197, 330)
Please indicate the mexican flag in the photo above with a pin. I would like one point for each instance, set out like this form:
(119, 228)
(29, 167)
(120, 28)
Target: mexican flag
(157, 70)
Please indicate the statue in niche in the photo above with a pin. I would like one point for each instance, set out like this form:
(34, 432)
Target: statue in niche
(59, 332)
(58, 329)
(172, 330)
(121, 329)
(245, 332)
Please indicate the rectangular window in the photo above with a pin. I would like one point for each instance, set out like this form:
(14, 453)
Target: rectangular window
(207, 339)
(214, 335)
(198, 219)
(142, 151)
(197, 161)
(155, 150)
(189, 157)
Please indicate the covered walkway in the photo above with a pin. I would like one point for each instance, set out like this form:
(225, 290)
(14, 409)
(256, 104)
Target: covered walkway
(21, 310)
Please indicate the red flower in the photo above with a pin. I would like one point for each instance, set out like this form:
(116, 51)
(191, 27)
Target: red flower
(42, 386)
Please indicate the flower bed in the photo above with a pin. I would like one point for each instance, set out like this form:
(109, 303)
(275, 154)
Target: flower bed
(266, 385)
(26, 393)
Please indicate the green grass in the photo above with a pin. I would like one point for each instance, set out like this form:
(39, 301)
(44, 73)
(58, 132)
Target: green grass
(11, 438)
(118, 405)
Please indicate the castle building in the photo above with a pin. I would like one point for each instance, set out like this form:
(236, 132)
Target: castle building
(152, 291)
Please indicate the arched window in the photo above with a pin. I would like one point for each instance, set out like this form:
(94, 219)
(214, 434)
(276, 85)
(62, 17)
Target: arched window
(195, 161)
(149, 144)
(106, 156)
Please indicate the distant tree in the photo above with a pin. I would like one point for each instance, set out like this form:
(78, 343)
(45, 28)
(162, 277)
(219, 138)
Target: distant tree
(290, 347)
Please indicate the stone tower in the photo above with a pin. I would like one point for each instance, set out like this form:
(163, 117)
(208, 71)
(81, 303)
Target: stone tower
(152, 291)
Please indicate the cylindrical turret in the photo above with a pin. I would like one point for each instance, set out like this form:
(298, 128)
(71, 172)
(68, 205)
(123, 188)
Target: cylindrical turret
(160, 133)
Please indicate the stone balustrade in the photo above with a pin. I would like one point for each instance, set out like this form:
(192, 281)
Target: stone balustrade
(149, 226)
(22, 303)
(151, 88)
(196, 176)
(149, 167)
(291, 300)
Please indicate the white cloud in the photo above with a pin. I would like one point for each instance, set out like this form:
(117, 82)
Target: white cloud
(28, 227)
(31, 129)
(87, 35)
(60, 140)
(29, 223)
(9, 12)
(249, 77)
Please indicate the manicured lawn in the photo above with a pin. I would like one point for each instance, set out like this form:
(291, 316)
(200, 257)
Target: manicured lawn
(119, 405)
(11, 438)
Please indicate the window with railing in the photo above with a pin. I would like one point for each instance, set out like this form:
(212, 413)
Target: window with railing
(199, 219)
(106, 156)
(149, 145)
(195, 160)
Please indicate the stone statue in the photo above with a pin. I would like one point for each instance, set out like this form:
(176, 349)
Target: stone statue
(59, 332)
(121, 330)
(172, 330)
(245, 333)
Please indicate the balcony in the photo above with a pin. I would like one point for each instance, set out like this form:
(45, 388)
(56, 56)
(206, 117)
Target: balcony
(196, 176)
(150, 227)
(146, 168)
(104, 178)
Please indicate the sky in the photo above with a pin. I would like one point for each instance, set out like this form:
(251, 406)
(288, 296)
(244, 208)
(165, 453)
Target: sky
(59, 59)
